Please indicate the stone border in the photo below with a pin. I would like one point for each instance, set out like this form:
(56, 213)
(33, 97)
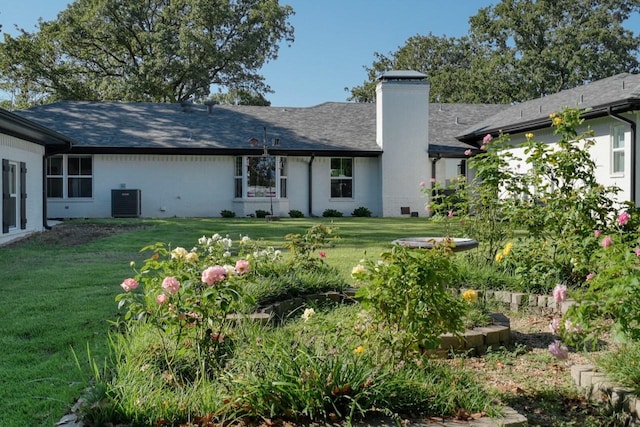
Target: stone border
(599, 387)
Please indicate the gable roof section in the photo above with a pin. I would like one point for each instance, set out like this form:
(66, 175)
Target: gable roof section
(156, 128)
(19, 127)
(617, 94)
(446, 121)
(329, 129)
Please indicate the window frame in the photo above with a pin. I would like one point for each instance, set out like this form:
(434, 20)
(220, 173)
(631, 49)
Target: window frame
(242, 177)
(340, 178)
(71, 180)
(618, 134)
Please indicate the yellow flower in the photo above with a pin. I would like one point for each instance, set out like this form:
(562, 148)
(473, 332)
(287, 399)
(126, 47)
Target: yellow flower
(470, 295)
(507, 249)
(358, 269)
(499, 256)
(178, 253)
(358, 350)
(529, 135)
(552, 115)
(191, 257)
(557, 121)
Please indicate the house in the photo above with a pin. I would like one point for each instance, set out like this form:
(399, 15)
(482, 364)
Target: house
(612, 111)
(24, 148)
(187, 160)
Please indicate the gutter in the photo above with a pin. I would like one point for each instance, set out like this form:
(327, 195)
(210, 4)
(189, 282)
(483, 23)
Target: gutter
(632, 126)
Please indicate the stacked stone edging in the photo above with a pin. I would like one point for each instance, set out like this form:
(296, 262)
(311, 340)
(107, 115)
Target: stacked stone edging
(599, 387)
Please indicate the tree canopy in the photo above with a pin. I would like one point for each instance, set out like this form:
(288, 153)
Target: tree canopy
(145, 50)
(519, 50)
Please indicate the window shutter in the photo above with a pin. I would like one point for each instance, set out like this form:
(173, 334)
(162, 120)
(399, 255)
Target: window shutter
(5, 196)
(23, 195)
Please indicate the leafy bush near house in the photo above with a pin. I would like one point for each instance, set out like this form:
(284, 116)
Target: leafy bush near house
(225, 213)
(361, 212)
(262, 213)
(332, 213)
(294, 213)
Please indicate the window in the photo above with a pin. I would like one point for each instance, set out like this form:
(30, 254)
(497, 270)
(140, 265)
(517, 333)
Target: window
(258, 176)
(14, 195)
(69, 176)
(341, 178)
(617, 150)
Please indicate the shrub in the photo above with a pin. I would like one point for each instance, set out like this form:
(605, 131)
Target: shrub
(262, 213)
(331, 213)
(361, 212)
(294, 213)
(407, 295)
(226, 213)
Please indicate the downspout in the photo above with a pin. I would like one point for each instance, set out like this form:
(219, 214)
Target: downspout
(45, 224)
(313, 156)
(632, 126)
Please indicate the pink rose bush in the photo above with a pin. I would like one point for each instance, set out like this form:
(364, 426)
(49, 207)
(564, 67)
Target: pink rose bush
(171, 285)
(214, 274)
(129, 284)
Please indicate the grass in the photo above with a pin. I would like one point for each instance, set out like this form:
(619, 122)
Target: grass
(59, 299)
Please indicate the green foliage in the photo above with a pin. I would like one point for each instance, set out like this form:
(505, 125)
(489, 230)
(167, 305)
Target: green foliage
(226, 213)
(622, 365)
(294, 213)
(612, 287)
(517, 50)
(260, 213)
(361, 212)
(332, 213)
(407, 296)
(303, 246)
(146, 50)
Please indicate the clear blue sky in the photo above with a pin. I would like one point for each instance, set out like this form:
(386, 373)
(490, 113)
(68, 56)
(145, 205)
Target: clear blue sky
(335, 39)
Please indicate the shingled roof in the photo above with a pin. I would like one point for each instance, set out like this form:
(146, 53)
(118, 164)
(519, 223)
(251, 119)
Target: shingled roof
(614, 94)
(19, 127)
(332, 128)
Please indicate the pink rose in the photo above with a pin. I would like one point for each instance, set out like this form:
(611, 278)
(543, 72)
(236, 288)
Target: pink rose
(623, 218)
(129, 284)
(422, 183)
(213, 274)
(606, 242)
(591, 276)
(483, 147)
(432, 180)
(560, 293)
(242, 266)
(637, 251)
(450, 214)
(170, 284)
(322, 254)
(467, 152)
(597, 233)
(161, 299)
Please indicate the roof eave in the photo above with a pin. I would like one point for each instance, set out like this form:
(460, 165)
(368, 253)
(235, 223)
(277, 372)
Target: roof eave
(19, 127)
(597, 111)
(205, 151)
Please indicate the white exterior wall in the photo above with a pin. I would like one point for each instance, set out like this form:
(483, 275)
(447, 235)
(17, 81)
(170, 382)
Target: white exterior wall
(600, 153)
(203, 186)
(402, 108)
(181, 186)
(17, 150)
(366, 187)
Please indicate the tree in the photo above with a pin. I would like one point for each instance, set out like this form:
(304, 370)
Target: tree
(145, 50)
(240, 97)
(519, 50)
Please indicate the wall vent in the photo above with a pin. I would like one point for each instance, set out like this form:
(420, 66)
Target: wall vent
(126, 203)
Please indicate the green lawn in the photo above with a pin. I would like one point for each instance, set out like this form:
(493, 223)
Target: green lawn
(59, 299)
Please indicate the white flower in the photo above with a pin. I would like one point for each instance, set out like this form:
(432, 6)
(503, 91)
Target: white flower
(227, 254)
(308, 314)
(245, 239)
